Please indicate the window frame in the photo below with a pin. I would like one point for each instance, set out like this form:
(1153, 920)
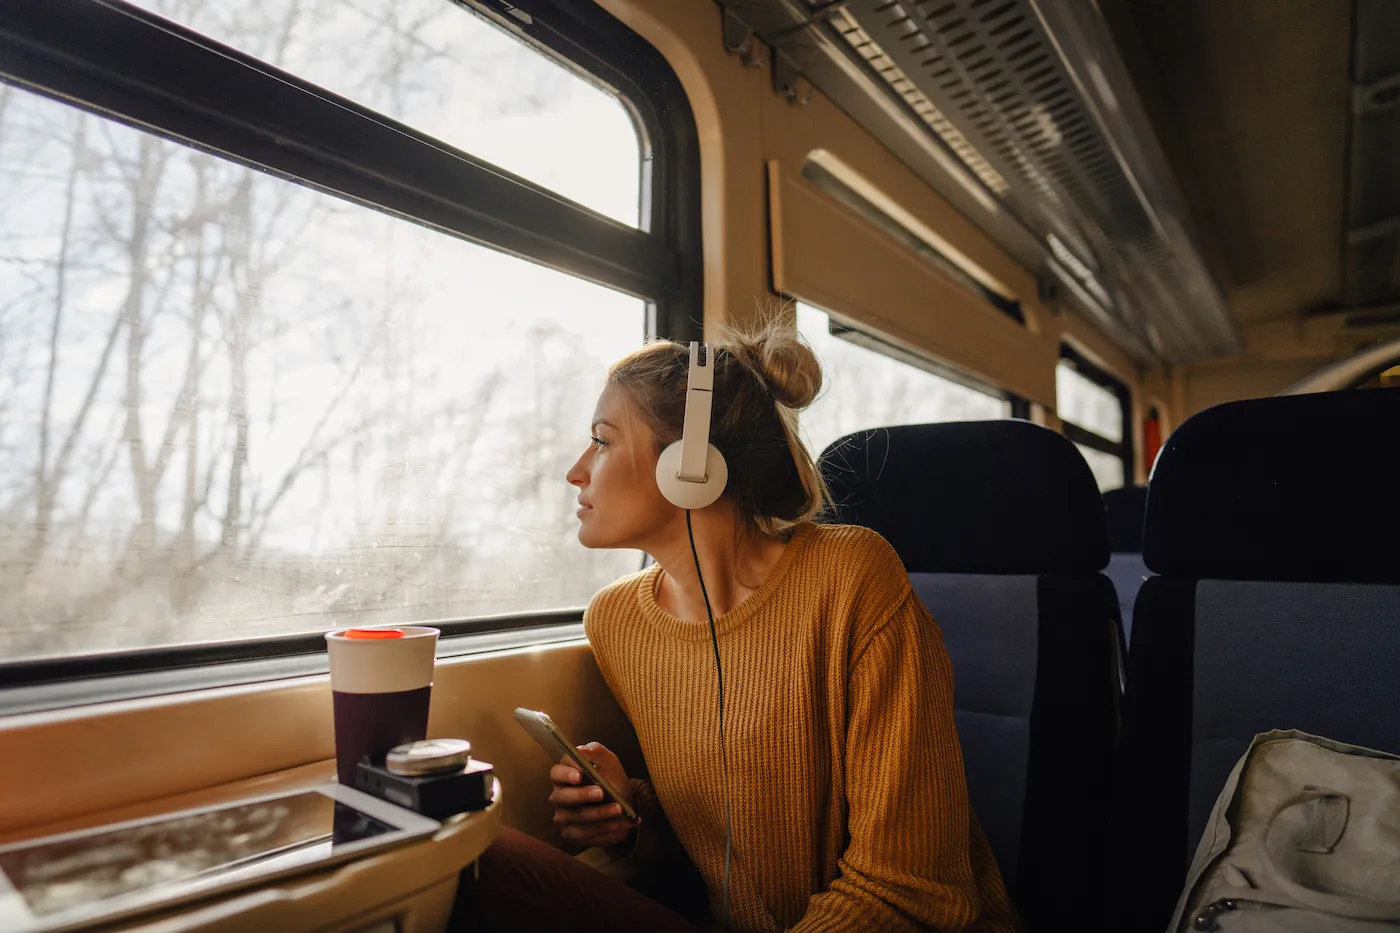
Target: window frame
(123, 63)
(867, 340)
(1123, 450)
(129, 65)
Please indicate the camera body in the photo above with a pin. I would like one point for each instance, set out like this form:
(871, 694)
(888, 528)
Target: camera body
(437, 778)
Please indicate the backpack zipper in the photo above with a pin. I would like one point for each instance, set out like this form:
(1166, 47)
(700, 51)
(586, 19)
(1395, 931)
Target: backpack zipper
(1207, 918)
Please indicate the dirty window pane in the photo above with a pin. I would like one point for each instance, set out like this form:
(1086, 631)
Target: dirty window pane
(866, 389)
(232, 406)
(1107, 468)
(450, 73)
(1084, 402)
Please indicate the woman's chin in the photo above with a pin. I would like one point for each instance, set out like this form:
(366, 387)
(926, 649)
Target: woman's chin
(590, 536)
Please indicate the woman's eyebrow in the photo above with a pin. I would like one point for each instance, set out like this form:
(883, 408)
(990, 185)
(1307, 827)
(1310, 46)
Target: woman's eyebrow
(607, 423)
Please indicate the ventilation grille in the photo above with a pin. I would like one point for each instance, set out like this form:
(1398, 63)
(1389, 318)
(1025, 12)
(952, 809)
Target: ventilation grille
(985, 76)
(895, 77)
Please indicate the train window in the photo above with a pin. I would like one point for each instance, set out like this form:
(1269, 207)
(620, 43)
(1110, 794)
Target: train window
(237, 406)
(1084, 402)
(863, 388)
(1093, 407)
(442, 69)
(1107, 468)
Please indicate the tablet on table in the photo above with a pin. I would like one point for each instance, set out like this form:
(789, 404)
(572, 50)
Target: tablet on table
(58, 882)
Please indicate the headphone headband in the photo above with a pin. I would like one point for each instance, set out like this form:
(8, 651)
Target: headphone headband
(699, 399)
(691, 472)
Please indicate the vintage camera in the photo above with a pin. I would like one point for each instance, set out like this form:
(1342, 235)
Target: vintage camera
(436, 778)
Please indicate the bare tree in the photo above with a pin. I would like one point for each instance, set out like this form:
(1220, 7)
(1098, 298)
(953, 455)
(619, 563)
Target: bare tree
(234, 403)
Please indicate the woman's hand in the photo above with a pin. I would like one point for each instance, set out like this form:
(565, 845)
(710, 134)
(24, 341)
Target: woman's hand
(581, 811)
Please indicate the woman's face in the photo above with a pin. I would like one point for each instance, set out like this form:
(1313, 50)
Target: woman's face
(620, 505)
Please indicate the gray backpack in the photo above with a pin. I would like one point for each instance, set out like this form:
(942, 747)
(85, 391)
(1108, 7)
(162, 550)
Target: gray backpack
(1304, 837)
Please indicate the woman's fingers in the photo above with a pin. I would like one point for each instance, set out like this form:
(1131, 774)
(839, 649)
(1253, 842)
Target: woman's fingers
(576, 796)
(575, 816)
(600, 755)
(581, 811)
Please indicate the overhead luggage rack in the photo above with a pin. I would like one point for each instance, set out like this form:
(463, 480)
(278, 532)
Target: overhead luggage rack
(1032, 100)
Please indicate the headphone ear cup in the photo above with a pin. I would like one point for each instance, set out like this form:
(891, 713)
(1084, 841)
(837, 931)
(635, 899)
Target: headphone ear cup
(686, 495)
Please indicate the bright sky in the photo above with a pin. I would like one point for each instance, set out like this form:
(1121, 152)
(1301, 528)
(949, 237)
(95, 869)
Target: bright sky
(471, 85)
(465, 377)
(863, 389)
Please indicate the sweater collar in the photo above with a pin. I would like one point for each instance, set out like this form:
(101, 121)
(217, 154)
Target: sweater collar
(681, 628)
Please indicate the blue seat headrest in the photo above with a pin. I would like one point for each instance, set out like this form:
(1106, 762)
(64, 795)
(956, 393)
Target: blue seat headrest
(1303, 487)
(971, 497)
(1124, 510)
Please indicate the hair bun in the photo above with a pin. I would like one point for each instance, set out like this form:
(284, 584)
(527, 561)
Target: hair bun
(789, 367)
(792, 371)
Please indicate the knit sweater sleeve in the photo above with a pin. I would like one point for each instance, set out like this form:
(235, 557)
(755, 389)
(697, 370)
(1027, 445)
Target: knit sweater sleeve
(652, 839)
(907, 864)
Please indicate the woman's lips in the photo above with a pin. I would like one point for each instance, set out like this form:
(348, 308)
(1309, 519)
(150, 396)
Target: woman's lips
(581, 510)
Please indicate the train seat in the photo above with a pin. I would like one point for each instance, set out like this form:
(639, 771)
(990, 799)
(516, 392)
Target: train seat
(1000, 527)
(1276, 607)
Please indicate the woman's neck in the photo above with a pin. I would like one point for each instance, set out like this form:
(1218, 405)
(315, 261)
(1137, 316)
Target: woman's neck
(734, 564)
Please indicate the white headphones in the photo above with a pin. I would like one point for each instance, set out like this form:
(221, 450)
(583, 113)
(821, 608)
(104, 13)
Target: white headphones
(691, 472)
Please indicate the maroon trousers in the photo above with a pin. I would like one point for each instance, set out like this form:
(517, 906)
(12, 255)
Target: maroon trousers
(525, 884)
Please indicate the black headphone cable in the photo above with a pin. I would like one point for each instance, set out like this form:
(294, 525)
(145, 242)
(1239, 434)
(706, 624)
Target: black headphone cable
(719, 676)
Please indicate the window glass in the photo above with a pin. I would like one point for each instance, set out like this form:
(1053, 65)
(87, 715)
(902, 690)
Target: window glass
(1087, 404)
(232, 406)
(441, 69)
(865, 389)
(1107, 468)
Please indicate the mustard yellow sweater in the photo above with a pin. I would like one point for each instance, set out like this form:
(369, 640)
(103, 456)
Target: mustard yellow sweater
(850, 808)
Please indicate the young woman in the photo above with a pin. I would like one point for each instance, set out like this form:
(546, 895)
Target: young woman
(846, 796)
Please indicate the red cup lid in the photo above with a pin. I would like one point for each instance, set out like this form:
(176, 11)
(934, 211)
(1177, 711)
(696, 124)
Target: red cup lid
(374, 634)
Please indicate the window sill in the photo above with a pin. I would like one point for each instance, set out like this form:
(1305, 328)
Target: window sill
(57, 683)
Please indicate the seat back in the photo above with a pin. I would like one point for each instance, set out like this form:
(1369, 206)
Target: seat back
(1000, 527)
(1123, 510)
(1271, 523)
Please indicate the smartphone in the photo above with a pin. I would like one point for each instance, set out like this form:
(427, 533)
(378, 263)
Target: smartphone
(543, 730)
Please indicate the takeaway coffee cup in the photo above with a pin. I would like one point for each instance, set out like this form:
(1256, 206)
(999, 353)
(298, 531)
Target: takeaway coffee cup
(381, 680)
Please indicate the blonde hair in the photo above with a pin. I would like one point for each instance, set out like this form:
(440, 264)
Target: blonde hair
(764, 376)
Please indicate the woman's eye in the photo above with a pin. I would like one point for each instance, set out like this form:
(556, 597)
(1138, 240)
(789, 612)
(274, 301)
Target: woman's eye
(599, 441)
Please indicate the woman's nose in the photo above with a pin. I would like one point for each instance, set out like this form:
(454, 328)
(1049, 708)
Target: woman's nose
(577, 476)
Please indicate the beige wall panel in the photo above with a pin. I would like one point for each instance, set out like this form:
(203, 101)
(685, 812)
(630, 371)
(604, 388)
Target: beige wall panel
(1276, 354)
(1319, 340)
(97, 759)
(1090, 341)
(1239, 379)
(791, 133)
(825, 254)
